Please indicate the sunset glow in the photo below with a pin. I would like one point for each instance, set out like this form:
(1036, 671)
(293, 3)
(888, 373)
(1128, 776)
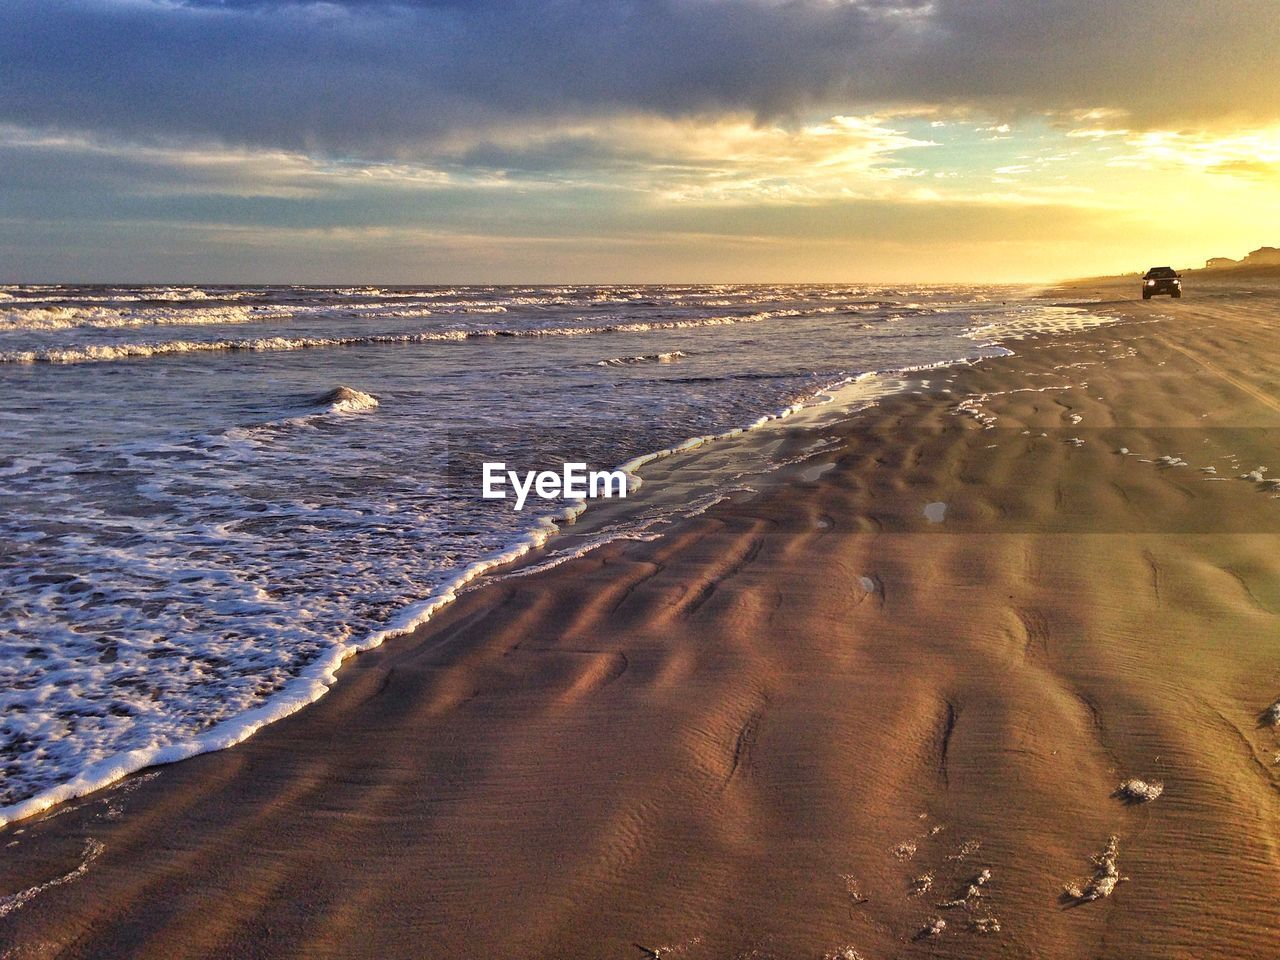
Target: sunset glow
(727, 140)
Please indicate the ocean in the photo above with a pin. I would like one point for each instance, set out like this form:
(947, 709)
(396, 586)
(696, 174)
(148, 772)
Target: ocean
(198, 525)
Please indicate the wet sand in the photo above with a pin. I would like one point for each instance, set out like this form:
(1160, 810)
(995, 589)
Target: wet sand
(765, 733)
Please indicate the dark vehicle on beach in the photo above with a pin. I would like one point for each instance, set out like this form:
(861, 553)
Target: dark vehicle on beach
(1161, 280)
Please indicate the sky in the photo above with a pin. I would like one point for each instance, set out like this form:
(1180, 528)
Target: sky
(454, 141)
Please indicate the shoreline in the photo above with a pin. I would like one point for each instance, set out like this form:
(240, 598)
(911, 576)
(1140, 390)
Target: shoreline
(841, 398)
(752, 712)
(318, 677)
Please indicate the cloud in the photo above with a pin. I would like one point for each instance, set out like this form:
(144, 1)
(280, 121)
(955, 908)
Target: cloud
(1265, 170)
(383, 78)
(49, 157)
(863, 239)
(160, 131)
(727, 159)
(723, 159)
(1249, 153)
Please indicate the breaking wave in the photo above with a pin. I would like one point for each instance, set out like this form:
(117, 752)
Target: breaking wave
(84, 317)
(670, 357)
(346, 399)
(88, 353)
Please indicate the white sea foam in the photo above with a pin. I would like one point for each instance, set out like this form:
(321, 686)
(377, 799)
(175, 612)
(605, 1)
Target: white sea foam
(670, 356)
(67, 317)
(131, 350)
(307, 687)
(15, 901)
(346, 400)
(1031, 321)
(815, 472)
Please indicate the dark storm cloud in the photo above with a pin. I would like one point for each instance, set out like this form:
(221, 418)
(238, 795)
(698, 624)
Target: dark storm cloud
(372, 77)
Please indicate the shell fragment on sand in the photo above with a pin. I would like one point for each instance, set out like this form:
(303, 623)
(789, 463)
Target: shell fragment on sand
(971, 893)
(1139, 791)
(921, 885)
(966, 849)
(905, 850)
(932, 929)
(1103, 882)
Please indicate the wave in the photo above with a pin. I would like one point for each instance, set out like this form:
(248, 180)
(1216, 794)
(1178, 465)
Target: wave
(80, 317)
(344, 399)
(90, 353)
(669, 357)
(174, 293)
(57, 294)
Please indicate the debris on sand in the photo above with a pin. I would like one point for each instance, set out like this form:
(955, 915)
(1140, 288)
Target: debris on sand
(966, 848)
(852, 888)
(1105, 877)
(905, 850)
(984, 925)
(971, 893)
(1271, 715)
(932, 929)
(848, 953)
(1139, 791)
(921, 885)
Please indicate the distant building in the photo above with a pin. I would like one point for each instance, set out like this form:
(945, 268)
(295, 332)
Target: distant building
(1263, 257)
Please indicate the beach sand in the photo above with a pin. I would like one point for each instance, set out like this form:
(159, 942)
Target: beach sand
(768, 732)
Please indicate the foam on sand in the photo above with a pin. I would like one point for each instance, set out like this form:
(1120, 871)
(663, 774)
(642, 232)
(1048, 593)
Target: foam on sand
(1139, 791)
(15, 901)
(1271, 715)
(1103, 882)
(935, 512)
